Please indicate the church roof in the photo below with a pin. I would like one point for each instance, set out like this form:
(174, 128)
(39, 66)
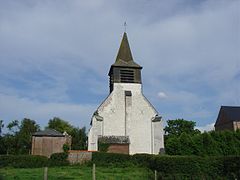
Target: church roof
(124, 57)
(230, 114)
(48, 132)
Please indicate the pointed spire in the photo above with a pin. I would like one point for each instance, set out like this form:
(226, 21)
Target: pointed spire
(124, 52)
(124, 56)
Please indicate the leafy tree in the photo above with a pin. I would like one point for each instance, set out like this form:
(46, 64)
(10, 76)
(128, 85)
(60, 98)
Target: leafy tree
(9, 144)
(60, 125)
(1, 126)
(24, 136)
(18, 141)
(13, 126)
(178, 126)
(172, 146)
(186, 144)
(79, 138)
(209, 145)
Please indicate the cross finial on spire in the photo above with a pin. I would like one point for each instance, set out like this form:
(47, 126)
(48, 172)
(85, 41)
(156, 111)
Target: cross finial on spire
(125, 26)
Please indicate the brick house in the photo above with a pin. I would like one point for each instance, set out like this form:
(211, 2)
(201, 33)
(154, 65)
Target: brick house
(228, 118)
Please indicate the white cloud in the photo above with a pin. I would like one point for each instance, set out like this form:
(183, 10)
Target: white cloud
(56, 54)
(161, 95)
(13, 107)
(208, 127)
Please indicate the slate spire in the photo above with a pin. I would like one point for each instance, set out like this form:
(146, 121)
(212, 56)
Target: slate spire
(124, 52)
(124, 56)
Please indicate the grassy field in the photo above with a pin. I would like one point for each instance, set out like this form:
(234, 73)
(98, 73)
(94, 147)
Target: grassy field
(77, 172)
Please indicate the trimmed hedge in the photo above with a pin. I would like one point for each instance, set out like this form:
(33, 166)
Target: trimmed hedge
(106, 159)
(192, 166)
(58, 159)
(23, 161)
(33, 161)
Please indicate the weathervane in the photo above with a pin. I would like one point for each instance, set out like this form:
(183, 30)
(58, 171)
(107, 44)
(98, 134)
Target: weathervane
(125, 26)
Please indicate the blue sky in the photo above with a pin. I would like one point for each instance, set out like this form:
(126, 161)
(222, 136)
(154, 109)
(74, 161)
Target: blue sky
(55, 56)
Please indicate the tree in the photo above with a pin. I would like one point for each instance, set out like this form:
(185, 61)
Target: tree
(18, 141)
(172, 146)
(186, 144)
(178, 137)
(60, 125)
(178, 126)
(24, 136)
(79, 139)
(13, 126)
(2, 147)
(1, 126)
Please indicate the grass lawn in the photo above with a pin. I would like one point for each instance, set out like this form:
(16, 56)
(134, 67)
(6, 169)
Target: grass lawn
(77, 172)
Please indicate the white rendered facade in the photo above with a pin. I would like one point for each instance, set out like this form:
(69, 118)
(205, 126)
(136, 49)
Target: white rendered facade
(132, 116)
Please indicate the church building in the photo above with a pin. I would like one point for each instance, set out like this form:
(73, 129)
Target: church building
(126, 121)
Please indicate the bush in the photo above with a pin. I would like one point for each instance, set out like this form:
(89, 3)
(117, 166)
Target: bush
(66, 148)
(106, 159)
(176, 166)
(23, 161)
(59, 159)
(197, 166)
(143, 160)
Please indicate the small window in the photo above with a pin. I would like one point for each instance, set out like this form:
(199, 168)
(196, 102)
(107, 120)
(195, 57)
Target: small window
(128, 93)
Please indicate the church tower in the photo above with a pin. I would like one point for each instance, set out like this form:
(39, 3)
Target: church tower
(124, 70)
(126, 120)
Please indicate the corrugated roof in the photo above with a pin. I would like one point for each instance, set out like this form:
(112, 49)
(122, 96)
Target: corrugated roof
(49, 132)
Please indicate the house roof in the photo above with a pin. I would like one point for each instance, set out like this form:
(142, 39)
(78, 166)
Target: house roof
(124, 56)
(48, 132)
(228, 114)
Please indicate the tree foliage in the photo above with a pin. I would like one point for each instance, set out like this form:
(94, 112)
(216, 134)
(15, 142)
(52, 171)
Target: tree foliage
(212, 143)
(60, 125)
(18, 139)
(79, 137)
(178, 126)
(19, 136)
(1, 127)
(183, 139)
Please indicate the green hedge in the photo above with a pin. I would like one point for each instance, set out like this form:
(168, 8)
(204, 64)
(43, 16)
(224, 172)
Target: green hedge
(33, 161)
(23, 161)
(106, 159)
(58, 159)
(181, 166)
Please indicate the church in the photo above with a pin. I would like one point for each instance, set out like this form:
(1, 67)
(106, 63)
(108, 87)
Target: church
(126, 121)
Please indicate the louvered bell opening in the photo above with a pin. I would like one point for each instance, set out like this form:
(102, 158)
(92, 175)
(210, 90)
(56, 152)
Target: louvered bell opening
(111, 82)
(127, 76)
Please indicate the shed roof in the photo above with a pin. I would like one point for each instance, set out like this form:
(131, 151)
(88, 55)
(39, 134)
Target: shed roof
(48, 132)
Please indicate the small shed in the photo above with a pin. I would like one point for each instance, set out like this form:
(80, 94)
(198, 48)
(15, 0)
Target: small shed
(228, 118)
(49, 141)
